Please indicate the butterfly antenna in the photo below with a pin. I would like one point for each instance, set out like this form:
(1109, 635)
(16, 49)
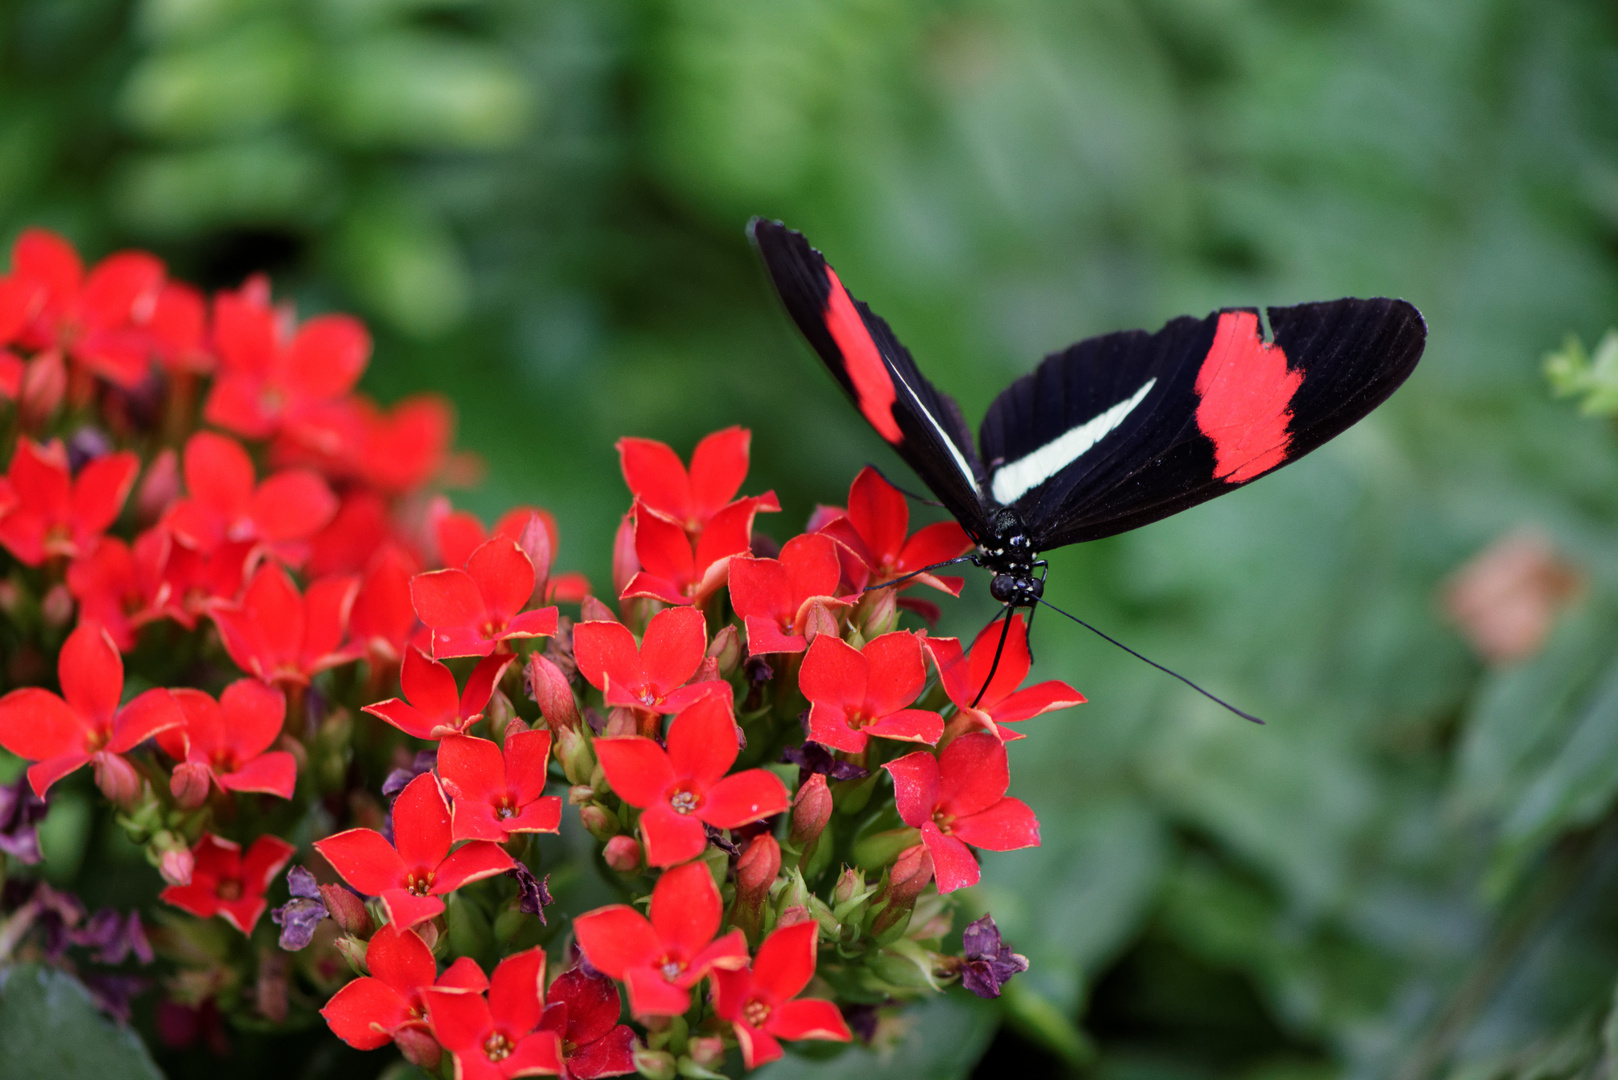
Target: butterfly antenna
(998, 649)
(904, 491)
(1154, 663)
(917, 573)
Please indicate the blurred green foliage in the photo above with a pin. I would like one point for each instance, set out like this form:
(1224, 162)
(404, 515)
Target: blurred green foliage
(1410, 872)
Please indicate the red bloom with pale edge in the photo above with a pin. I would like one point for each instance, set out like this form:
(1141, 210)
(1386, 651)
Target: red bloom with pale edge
(231, 737)
(854, 694)
(229, 884)
(54, 513)
(434, 710)
(224, 505)
(959, 798)
(661, 958)
(773, 596)
(874, 529)
(1002, 703)
(473, 612)
(63, 735)
(498, 790)
(367, 1011)
(654, 675)
(759, 1001)
(661, 482)
(582, 1012)
(679, 570)
(682, 788)
(497, 1037)
(282, 637)
(411, 876)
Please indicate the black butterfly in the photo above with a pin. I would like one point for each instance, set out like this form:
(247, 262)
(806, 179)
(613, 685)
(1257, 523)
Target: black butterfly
(1114, 432)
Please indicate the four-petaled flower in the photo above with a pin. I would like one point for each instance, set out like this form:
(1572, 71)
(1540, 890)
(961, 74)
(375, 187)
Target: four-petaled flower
(581, 1010)
(661, 958)
(856, 693)
(660, 481)
(120, 587)
(228, 741)
(225, 504)
(874, 529)
(282, 637)
(762, 1002)
(473, 612)
(53, 513)
(413, 872)
(228, 883)
(652, 676)
(774, 597)
(433, 708)
(683, 788)
(62, 735)
(677, 569)
(498, 790)
(497, 1037)
(959, 798)
(368, 1011)
(964, 675)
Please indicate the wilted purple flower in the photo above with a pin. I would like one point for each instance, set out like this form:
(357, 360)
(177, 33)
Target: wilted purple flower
(299, 916)
(813, 758)
(987, 963)
(532, 892)
(113, 936)
(399, 778)
(716, 837)
(111, 992)
(56, 914)
(861, 1020)
(20, 811)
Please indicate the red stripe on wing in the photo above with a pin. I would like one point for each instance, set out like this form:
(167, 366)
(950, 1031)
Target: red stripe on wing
(1246, 391)
(873, 386)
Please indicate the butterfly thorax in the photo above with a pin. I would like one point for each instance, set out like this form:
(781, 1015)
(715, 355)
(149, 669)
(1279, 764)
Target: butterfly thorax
(1009, 554)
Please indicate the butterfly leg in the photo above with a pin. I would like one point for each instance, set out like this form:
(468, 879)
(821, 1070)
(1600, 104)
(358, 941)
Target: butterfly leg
(1005, 612)
(916, 573)
(1033, 609)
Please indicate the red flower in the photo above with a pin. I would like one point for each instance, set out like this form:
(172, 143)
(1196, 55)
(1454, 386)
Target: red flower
(854, 694)
(689, 499)
(1002, 703)
(269, 379)
(120, 588)
(90, 317)
(54, 513)
(497, 1037)
(653, 676)
(60, 736)
(679, 570)
(759, 1001)
(178, 326)
(660, 959)
(434, 709)
(582, 1012)
(959, 798)
(229, 740)
(383, 620)
(229, 884)
(874, 528)
(282, 637)
(498, 790)
(684, 787)
(404, 447)
(367, 1011)
(282, 513)
(774, 597)
(411, 876)
(473, 612)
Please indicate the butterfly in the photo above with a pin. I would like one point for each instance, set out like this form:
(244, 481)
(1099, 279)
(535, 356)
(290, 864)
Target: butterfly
(1113, 432)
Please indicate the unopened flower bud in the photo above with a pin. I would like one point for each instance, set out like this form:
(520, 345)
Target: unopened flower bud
(11, 597)
(429, 932)
(811, 809)
(189, 785)
(791, 916)
(707, 1051)
(817, 620)
(573, 751)
(883, 614)
(625, 564)
(117, 779)
(655, 1064)
(849, 885)
(347, 910)
(910, 874)
(553, 694)
(353, 950)
(755, 873)
(56, 606)
(498, 712)
(707, 671)
(726, 648)
(593, 610)
(598, 821)
(174, 860)
(159, 487)
(623, 854)
(536, 544)
(418, 1047)
(44, 382)
(622, 721)
(579, 794)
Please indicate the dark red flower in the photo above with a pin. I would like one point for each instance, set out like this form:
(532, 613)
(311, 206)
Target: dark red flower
(652, 676)
(677, 569)
(661, 483)
(62, 735)
(874, 528)
(435, 709)
(228, 741)
(685, 787)
(497, 1037)
(225, 505)
(856, 693)
(959, 798)
(283, 637)
(52, 512)
(582, 1012)
(412, 873)
(963, 677)
(762, 1003)
(774, 597)
(367, 1011)
(118, 588)
(661, 958)
(473, 612)
(499, 790)
(228, 883)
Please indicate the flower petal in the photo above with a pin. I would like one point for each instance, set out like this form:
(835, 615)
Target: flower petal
(92, 672)
(611, 1054)
(672, 648)
(421, 829)
(909, 725)
(1037, 700)
(292, 505)
(834, 672)
(592, 1004)
(253, 714)
(808, 1018)
(897, 671)
(973, 773)
(786, 962)
(652, 995)
(606, 650)
(718, 467)
(473, 861)
(527, 755)
(617, 938)
(100, 490)
(272, 773)
(655, 475)
(504, 577)
(145, 716)
(36, 725)
(953, 864)
(670, 837)
(517, 991)
(828, 726)
(686, 907)
(915, 786)
(402, 716)
(743, 798)
(407, 909)
(636, 768)
(400, 959)
(471, 769)
(1005, 826)
(366, 1012)
(702, 739)
(447, 599)
(460, 1021)
(364, 859)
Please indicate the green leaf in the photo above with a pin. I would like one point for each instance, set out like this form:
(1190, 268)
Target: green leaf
(50, 1027)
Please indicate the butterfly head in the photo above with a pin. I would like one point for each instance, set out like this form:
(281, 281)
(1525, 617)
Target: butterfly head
(1010, 554)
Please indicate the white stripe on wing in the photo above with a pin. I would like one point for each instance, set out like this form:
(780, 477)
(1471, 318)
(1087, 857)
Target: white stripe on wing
(1015, 479)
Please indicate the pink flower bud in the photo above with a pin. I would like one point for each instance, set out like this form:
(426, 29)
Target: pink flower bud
(498, 712)
(811, 809)
(655, 1064)
(598, 822)
(551, 690)
(56, 607)
(625, 564)
(118, 781)
(623, 854)
(418, 1047)
(573, 751)
(707, 671)
(347, 910)
(882, 615)
(44, 382)
(909, 875)
(177, 864)
(794, 914)
(621, 721)
(593, 610)
(849, 885)
(726, 648)
(707, 1051)
(353, 950)
(817, 619)
(159, 487)
(755, 873)
(536, 544)
(189, 785)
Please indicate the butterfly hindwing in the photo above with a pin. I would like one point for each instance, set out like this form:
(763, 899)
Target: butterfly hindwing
(877, 372)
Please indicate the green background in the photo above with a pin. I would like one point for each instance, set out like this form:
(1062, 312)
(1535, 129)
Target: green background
(539, 205)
